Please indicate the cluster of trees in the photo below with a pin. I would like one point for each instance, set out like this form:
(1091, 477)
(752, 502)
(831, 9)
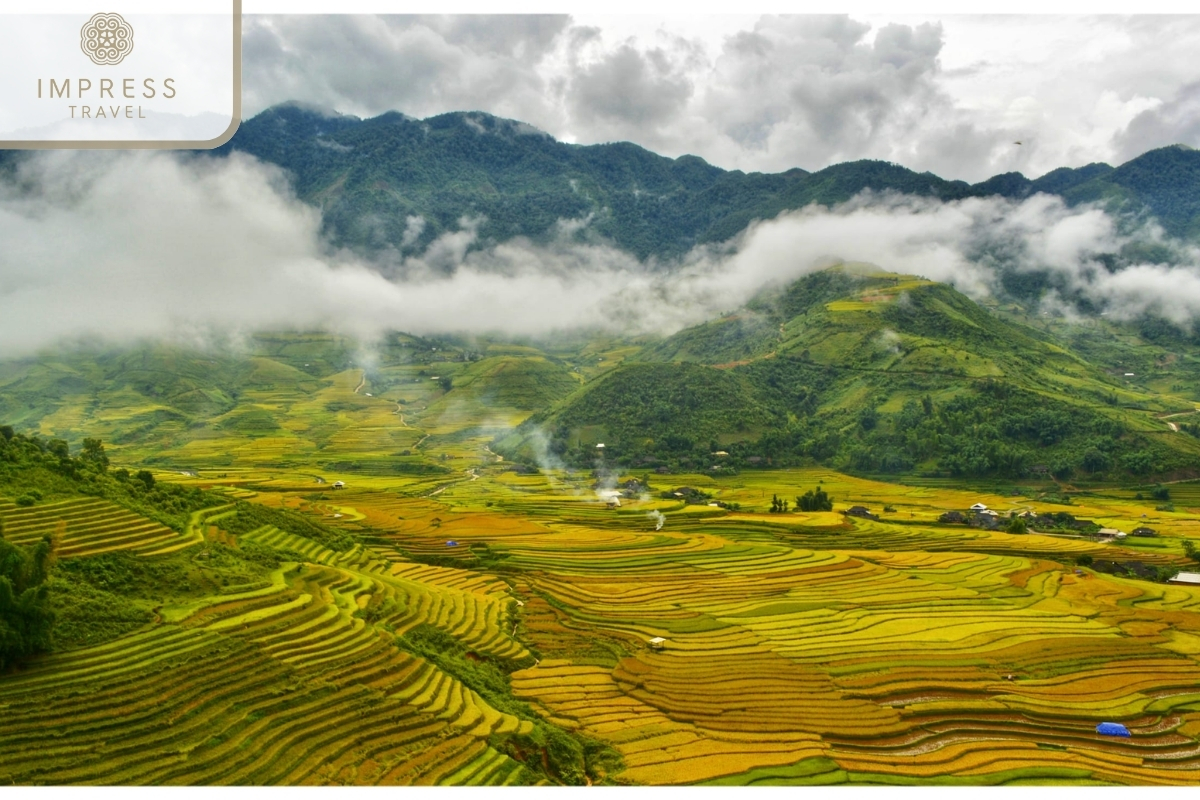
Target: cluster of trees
(812, 500)
(26, 617)
(33, 468)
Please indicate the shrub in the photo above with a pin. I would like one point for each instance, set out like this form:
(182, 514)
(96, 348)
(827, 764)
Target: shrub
(26, 500)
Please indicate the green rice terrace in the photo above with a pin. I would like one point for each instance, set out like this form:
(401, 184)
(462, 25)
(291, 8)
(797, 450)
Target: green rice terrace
(862, 531)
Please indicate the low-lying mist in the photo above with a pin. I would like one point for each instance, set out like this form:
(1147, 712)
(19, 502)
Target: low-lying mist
(117, 248)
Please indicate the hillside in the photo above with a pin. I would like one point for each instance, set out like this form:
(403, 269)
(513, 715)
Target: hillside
(869, 372)
(369, 177)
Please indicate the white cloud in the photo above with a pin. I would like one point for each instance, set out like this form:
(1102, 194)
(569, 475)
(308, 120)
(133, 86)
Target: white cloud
(115, 248)
(949, 94)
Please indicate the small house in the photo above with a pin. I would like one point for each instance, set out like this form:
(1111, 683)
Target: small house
(1186, 579)
(1143, 531)
(658, 642)
(612, 501)
(1112, 729)
(979, 507)
(600, 446)
(861, 512)
(339, 484)
(451, 543)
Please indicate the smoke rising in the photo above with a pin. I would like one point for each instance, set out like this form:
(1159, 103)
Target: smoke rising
(118, 248)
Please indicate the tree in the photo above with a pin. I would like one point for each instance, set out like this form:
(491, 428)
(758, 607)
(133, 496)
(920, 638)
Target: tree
(93, 453)
(145, 477)
(25, 615)
(1189, 549)
(1095, 461)
(814, 500)
(1017, 525)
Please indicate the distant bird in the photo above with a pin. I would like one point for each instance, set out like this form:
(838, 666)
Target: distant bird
(1016, 142)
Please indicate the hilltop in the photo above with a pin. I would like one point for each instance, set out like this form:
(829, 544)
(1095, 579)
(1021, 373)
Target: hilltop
(869, 372)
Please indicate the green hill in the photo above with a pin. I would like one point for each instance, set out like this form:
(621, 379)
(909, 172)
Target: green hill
(868, 372)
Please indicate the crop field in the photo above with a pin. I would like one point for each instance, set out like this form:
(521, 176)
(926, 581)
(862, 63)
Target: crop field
(452, 618)
(811, 648)
(91, 527)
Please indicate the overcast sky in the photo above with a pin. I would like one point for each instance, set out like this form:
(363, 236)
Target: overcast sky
(950, 94)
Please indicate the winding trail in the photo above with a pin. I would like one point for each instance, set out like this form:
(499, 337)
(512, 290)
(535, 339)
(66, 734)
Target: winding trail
(399, 412)
(1168, 417)
(361, 383)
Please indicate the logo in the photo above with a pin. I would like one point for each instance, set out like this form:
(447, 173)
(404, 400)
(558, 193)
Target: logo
(106, 39)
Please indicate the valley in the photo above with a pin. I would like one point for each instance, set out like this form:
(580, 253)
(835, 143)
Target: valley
(285, 567)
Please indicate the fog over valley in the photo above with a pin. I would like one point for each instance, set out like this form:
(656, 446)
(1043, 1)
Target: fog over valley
(119, 248)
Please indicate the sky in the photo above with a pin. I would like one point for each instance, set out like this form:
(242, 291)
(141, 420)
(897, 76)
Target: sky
(945, 93)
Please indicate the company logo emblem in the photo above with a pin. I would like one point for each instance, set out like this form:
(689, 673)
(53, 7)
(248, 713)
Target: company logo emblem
(106, 39)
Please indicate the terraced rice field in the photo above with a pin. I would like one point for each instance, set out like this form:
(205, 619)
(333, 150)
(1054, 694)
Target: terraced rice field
(90, 527)
(807, 648)
(276, 684)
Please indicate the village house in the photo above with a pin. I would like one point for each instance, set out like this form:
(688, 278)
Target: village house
(860, 511)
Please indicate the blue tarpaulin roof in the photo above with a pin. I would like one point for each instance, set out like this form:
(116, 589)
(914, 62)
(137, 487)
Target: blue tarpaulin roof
(1112, 729)
(451, 543)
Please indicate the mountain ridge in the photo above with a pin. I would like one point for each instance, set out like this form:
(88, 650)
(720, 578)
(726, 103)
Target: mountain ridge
(371, 177)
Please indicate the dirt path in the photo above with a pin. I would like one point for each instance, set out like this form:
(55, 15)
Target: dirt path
(1173, 426)
(488, 450)
(399, 412)
(361, 383)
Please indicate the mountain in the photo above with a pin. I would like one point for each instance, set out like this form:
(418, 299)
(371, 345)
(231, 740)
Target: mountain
(868, 372)
(373, 178)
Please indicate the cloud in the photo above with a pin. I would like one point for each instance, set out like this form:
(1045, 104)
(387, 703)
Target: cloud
(1176, 121)
(421, 65)
(628, 91)
(115, 248)
(813, 90)
(949, 94)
